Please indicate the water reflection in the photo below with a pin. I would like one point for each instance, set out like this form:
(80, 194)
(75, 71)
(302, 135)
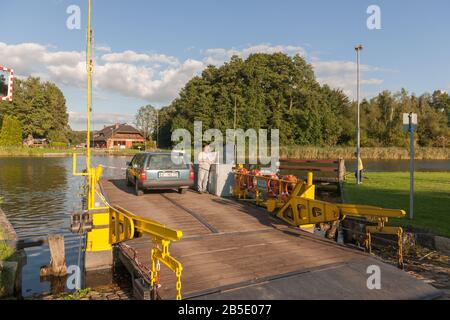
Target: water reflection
(39, 194)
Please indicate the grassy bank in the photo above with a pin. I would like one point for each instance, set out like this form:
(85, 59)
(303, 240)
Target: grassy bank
(6, 254)
(47, 152)
(294, 152)
(30, 152)
(347, 153)
(391, 190)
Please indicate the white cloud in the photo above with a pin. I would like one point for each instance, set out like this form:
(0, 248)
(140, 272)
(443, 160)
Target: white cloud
(218, 56)
(133, 57)
(99, 119)
(27, 58)
(342, 75)
(155, 77)
(103, 48)
(339, 67)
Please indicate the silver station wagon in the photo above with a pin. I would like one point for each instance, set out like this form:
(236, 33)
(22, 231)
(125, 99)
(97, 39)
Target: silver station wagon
(159, 171)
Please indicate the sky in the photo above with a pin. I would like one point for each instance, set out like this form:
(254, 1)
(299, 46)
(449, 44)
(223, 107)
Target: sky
(146, 50)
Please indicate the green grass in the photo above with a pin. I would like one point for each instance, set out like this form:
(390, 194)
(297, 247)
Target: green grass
(6, 252)
(376, 153)
(391, 190)
(40, 152)
(24, 151)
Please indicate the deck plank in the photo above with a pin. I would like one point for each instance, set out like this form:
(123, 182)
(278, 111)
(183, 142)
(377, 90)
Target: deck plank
(227, 244)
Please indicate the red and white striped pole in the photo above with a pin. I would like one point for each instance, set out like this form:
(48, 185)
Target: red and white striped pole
(10, 81)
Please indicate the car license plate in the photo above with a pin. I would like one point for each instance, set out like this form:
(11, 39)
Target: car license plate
(168, 174)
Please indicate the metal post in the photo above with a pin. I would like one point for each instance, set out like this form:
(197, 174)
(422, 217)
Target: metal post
(235, 125)
(157, 129)
(89, 87)
(411, 167)
(358, 148)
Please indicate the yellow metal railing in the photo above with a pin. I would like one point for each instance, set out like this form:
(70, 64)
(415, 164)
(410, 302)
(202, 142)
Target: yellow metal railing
(111, 224)
(122, 225)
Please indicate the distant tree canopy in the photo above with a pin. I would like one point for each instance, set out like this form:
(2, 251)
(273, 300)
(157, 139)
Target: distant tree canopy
(11, 132)
(271, 91)
(40, 107)
(382, 119)
(275, 91)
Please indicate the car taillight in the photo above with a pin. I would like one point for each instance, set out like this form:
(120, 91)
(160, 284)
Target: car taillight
(192, 174)
(143, 176)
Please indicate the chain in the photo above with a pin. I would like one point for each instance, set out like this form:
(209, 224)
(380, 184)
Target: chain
(154, 273)
(400, 248)
(178, 275)
(369, 242)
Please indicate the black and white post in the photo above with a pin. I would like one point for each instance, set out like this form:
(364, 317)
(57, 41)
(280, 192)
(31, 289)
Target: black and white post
(410, 126)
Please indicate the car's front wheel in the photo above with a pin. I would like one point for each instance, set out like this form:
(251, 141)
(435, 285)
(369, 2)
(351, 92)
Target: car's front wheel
(129, 184)
(138, 190)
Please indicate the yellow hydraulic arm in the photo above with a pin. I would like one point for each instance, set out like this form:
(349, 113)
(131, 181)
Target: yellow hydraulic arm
(301, 209)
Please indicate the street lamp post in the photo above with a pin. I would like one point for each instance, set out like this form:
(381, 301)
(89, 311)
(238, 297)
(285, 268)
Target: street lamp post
(358, 49)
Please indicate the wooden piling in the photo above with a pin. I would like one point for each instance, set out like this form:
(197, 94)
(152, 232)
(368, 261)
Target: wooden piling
(57, 266)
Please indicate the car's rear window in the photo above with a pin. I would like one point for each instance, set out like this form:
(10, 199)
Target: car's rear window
(164, 162)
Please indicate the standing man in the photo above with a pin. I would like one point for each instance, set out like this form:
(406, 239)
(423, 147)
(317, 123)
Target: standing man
(360, 169)
(204, 160)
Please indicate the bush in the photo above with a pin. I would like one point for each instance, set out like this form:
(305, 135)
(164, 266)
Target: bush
(138, 146)
(11, 134)
(58, 145)
(57, 137)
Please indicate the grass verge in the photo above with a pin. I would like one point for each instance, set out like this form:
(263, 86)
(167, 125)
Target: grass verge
(347, 153)
(391, 190)
(43, 152)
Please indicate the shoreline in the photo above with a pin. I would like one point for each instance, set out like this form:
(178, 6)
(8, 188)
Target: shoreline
(372, 153)
(292, 152)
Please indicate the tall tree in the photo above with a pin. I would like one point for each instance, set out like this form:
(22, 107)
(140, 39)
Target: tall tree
(11, 133)
(39, 106)
(146, 121)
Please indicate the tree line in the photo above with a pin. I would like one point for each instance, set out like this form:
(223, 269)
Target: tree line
(39, 108)
(275, 91)
(268, 91)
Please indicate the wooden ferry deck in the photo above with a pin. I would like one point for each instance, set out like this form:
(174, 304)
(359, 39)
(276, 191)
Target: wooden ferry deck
(232, 250)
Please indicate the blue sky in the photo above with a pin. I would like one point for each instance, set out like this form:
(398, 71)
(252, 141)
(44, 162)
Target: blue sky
(147, 50)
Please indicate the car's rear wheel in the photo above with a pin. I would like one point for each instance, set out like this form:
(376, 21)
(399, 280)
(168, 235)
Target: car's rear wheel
(137, 190)
(182, 190)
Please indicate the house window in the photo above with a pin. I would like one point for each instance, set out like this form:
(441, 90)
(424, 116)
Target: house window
(119, 143)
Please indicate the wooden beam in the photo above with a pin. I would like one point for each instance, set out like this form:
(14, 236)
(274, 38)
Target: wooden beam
(57, 266)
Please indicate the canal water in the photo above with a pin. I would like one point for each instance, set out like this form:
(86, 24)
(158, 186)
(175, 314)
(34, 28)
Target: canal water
(39, 194)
